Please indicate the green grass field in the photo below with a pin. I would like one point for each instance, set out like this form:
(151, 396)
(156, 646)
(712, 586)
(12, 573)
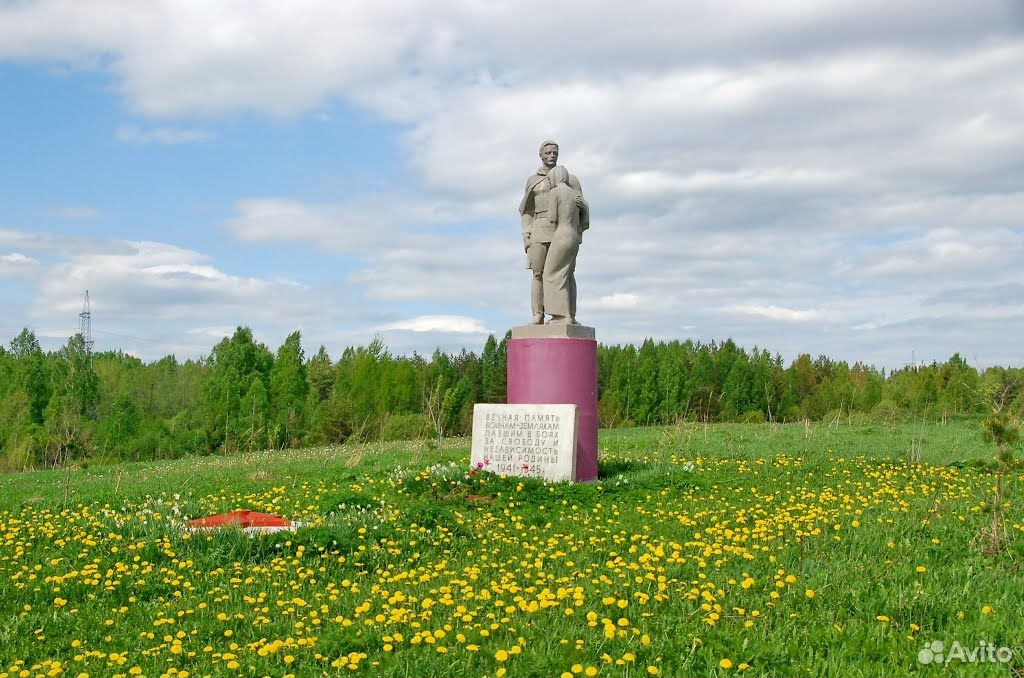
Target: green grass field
(719, 550)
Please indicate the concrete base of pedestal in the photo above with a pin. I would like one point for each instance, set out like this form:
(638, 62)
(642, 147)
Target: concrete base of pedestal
(558, 369)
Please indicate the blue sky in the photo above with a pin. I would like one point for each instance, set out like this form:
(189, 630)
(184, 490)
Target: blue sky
(69, 143)
(838, 178)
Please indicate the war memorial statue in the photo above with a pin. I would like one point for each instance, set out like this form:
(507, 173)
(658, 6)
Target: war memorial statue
(554, 216)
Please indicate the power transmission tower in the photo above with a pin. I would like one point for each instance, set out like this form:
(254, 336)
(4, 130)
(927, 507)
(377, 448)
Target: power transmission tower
(85, 324)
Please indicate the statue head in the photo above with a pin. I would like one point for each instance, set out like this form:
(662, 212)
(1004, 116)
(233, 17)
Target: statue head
(549, 154)
(558, 175)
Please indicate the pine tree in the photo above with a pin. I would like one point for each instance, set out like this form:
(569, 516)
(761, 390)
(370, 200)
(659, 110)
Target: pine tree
(321, 375)
(493, 372)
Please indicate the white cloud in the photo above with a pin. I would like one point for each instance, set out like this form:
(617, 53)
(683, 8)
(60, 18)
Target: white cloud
(17, 264)
(134, 134)
(75, 212)
(777, 312)
(618, 301)
(146, 296)
(369, 221)
(179, 57)
(439, 323)
(331, 227)
(945, 253)
(46, 242)
(808, 168)
(159, 281)
(155, 298)
(645, 183)
(216, 333)
(17, 259)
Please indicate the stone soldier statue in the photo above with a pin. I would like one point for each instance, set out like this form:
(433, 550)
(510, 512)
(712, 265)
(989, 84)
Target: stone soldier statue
(539, 225)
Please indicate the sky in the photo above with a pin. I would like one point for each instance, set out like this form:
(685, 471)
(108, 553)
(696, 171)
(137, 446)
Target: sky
(842, 178)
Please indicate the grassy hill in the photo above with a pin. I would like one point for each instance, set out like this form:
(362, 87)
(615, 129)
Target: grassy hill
(719, 550)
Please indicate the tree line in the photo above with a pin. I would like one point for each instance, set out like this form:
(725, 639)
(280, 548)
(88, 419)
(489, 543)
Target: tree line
(72, 405)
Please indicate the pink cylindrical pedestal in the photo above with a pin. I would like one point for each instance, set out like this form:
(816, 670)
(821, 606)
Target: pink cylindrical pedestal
(549, 370)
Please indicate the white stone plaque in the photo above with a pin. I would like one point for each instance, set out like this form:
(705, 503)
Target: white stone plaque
(525, 440)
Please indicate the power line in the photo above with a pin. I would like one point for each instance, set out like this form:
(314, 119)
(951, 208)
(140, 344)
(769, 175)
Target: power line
(131, 336)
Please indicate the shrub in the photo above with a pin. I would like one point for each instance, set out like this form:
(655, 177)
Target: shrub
(753, 417)
(886, 411)
(405, 427)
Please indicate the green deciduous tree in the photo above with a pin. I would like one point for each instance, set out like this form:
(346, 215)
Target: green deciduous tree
(289, 388)
(73, 404)
(253, 422)
(31, 373)
(234, 364)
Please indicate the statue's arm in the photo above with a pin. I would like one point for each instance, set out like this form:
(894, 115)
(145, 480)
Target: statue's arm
(526, 214)
(556, 203)
(526, 204)
(581, 202)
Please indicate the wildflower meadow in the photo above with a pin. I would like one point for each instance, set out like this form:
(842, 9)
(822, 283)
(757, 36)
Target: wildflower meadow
(720, 550)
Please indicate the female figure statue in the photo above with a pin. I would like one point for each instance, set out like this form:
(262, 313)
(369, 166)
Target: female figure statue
(569, 216)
